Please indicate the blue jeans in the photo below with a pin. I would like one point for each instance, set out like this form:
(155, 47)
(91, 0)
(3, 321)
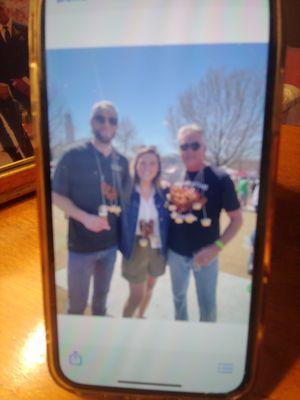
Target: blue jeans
(206, 285)
(81, 266)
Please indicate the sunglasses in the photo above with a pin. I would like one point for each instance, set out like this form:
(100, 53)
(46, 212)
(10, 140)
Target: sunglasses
(194, 146)
(111, 120)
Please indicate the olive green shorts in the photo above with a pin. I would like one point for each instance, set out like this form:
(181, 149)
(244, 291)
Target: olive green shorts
(144, 261)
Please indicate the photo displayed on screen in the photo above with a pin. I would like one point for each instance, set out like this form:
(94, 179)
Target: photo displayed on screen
(155, 157)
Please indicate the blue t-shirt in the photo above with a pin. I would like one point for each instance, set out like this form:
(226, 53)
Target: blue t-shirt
(186, 239)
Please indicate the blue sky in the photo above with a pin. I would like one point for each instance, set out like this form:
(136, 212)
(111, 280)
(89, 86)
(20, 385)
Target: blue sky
(143, 82)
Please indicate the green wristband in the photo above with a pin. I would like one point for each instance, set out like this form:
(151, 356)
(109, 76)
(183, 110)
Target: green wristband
(220, 245)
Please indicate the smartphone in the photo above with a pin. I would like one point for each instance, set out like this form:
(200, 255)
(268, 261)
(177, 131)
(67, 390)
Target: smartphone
(157, 135)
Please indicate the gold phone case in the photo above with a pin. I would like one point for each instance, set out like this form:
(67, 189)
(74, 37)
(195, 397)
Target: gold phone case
(269, 160)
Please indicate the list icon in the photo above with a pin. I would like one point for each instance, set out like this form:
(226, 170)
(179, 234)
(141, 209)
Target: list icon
(225, 368)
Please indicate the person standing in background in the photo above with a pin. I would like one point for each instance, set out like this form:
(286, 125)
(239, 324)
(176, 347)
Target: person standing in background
(243, 191)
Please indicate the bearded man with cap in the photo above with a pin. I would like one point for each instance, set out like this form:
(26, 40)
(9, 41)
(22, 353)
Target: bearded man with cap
(89, 185)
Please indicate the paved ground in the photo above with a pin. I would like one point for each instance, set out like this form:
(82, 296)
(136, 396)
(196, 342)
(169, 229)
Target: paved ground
(233, 293)
(233, 297)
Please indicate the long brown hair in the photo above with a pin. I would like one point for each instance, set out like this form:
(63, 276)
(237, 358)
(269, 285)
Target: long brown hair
(142, 152)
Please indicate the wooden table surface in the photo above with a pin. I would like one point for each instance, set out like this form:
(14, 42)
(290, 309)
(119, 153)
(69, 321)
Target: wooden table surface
(23, 369)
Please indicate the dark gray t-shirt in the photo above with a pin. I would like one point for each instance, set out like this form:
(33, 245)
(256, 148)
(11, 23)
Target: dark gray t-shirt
(77, 178)
(218, 188)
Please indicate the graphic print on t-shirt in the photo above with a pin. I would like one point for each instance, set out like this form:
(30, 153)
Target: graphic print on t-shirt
(201, 227)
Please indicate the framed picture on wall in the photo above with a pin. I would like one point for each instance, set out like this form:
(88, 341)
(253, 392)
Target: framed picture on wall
(291, 88)
(17, 162)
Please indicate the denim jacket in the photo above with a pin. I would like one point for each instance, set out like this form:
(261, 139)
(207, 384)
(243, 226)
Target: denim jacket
(129, 218)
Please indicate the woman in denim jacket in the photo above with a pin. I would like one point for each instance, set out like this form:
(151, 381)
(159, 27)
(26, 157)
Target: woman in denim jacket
(144, 230)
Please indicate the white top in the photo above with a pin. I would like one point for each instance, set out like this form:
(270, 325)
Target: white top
(148, 211)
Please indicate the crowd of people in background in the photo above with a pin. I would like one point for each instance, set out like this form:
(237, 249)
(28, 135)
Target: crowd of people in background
(247, 191)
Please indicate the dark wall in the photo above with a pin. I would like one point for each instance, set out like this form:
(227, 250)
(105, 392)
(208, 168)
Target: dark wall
(291, 22)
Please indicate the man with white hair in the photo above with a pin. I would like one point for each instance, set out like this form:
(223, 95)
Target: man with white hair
(195, 246)
(89, 185)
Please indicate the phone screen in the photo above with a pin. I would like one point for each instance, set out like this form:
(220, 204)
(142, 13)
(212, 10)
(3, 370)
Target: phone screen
(155, 124)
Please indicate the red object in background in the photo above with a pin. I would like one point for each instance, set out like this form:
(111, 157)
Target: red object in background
(292, 66)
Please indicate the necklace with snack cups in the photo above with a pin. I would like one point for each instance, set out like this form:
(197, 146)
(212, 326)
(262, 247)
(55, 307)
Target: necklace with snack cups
(108, 193)
(184, 199)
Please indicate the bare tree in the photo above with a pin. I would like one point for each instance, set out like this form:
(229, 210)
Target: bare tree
(229, 107)
(57, 116)
(126, 138)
